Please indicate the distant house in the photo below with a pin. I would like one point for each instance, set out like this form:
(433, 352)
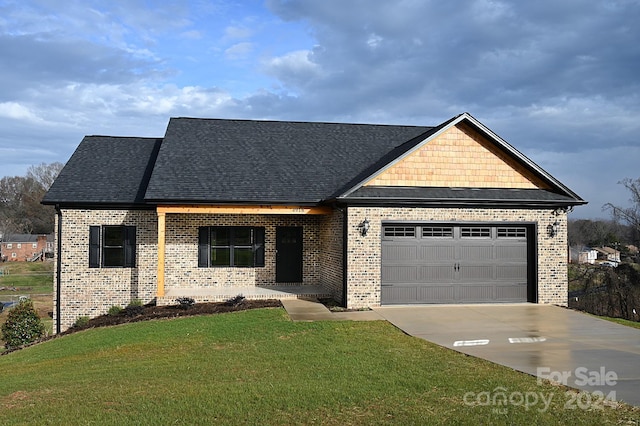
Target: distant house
(608, 254)
(26, 247)
(582, 255)
(366, 214)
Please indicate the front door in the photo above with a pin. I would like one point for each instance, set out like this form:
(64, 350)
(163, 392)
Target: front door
(289, 254)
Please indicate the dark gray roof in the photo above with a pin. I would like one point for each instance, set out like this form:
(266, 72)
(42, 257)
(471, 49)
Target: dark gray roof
(105, 170)
(19, 238)
(242, 161)
(213, 161)
(458, 196)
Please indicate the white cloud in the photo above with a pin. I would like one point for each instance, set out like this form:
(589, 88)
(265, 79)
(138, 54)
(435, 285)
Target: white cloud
(239, 50)
(16, 111)
(295, 69)
(237, 32)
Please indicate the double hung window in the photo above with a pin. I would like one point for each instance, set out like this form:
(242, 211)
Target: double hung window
(237, 246)
(112, 246)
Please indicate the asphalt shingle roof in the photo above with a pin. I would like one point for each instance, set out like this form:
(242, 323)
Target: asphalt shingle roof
(214, 161)
(105, 170)
(209, 160)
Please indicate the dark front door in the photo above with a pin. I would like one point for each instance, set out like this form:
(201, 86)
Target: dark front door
(289, 254)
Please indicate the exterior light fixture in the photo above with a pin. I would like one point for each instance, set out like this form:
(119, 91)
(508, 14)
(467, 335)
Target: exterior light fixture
(363, 227)
(553, 229)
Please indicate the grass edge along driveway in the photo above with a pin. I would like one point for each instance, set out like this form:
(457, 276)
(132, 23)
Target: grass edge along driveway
(257, 367)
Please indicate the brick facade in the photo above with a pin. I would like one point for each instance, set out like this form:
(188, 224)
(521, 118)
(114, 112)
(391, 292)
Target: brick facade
(92, 291)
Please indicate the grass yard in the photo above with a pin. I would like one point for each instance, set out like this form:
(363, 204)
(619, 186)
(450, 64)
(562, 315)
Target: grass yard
(26, 277)
(257, 367)
(33, 279)
(622, 321)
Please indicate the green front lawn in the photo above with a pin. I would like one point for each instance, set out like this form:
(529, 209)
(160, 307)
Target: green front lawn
(257, 367)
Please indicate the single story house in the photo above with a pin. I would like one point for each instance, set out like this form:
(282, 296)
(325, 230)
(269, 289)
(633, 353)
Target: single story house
(25, 247)
(608, 254)
(367, 214)
(582, 255)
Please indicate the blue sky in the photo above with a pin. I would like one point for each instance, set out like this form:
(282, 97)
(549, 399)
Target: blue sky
(559, 80)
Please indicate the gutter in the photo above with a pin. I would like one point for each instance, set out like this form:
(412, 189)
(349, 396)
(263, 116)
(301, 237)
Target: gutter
(58, 269)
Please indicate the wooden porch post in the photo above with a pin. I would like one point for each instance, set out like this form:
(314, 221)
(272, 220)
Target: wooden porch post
(161, 244)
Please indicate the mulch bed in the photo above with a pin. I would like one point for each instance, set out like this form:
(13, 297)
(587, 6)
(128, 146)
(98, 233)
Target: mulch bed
(151, 312)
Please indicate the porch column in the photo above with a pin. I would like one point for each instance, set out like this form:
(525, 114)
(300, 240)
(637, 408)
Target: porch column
(161, 243)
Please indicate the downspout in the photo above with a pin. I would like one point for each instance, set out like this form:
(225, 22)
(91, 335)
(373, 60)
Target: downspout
(58, 269)
(345, 243)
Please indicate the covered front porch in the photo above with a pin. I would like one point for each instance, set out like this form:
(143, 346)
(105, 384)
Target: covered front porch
(221, 294)
(288, 252)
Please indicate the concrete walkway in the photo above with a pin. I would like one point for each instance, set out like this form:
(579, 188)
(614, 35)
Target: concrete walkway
(570, 347)
(312, 310)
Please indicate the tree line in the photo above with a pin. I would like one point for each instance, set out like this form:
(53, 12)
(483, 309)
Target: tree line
(20, 197)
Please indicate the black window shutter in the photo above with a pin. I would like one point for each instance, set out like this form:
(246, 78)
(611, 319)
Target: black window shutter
(203, 247)
(129, 246)
(258, 244)
(94, 247)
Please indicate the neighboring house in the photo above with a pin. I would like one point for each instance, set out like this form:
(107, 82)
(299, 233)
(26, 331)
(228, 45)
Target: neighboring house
(608, 254)
(583, 255)
(25, 247)
(367, 214)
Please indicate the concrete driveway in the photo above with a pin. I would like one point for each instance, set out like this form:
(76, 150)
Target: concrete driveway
(546, 341)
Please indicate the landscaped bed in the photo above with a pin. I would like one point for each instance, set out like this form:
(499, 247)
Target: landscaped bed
(135, 313)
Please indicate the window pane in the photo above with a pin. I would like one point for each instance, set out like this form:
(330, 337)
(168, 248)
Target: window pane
(220, 236)
(114, 236)
(399, 231)
(481, 232)
(437, 232)
(220, 257)
(242, 237)
(113, 257)
(243, 257)
(512, 232)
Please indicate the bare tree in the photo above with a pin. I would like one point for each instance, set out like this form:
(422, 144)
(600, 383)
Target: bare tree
(20, 197)
(629, 215)
(44, 173)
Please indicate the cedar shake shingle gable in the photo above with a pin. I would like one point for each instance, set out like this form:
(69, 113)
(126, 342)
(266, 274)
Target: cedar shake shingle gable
(105, 170)
(244, 161)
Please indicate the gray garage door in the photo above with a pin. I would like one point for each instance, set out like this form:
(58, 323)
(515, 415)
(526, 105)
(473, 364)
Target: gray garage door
(454, 264)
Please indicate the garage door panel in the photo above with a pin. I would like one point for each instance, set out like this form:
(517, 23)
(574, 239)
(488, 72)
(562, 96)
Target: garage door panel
(516, 292)
(475, 293)
(474, 273)
(438, 252)
(455, 264)
(512, 252)
(511, 272)
(400, 252)
(437, 273)
(400, 293)
(399, 274)
(445, 294)
(476, 252)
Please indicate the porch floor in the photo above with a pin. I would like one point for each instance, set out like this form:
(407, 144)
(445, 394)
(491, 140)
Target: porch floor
(220, 294)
